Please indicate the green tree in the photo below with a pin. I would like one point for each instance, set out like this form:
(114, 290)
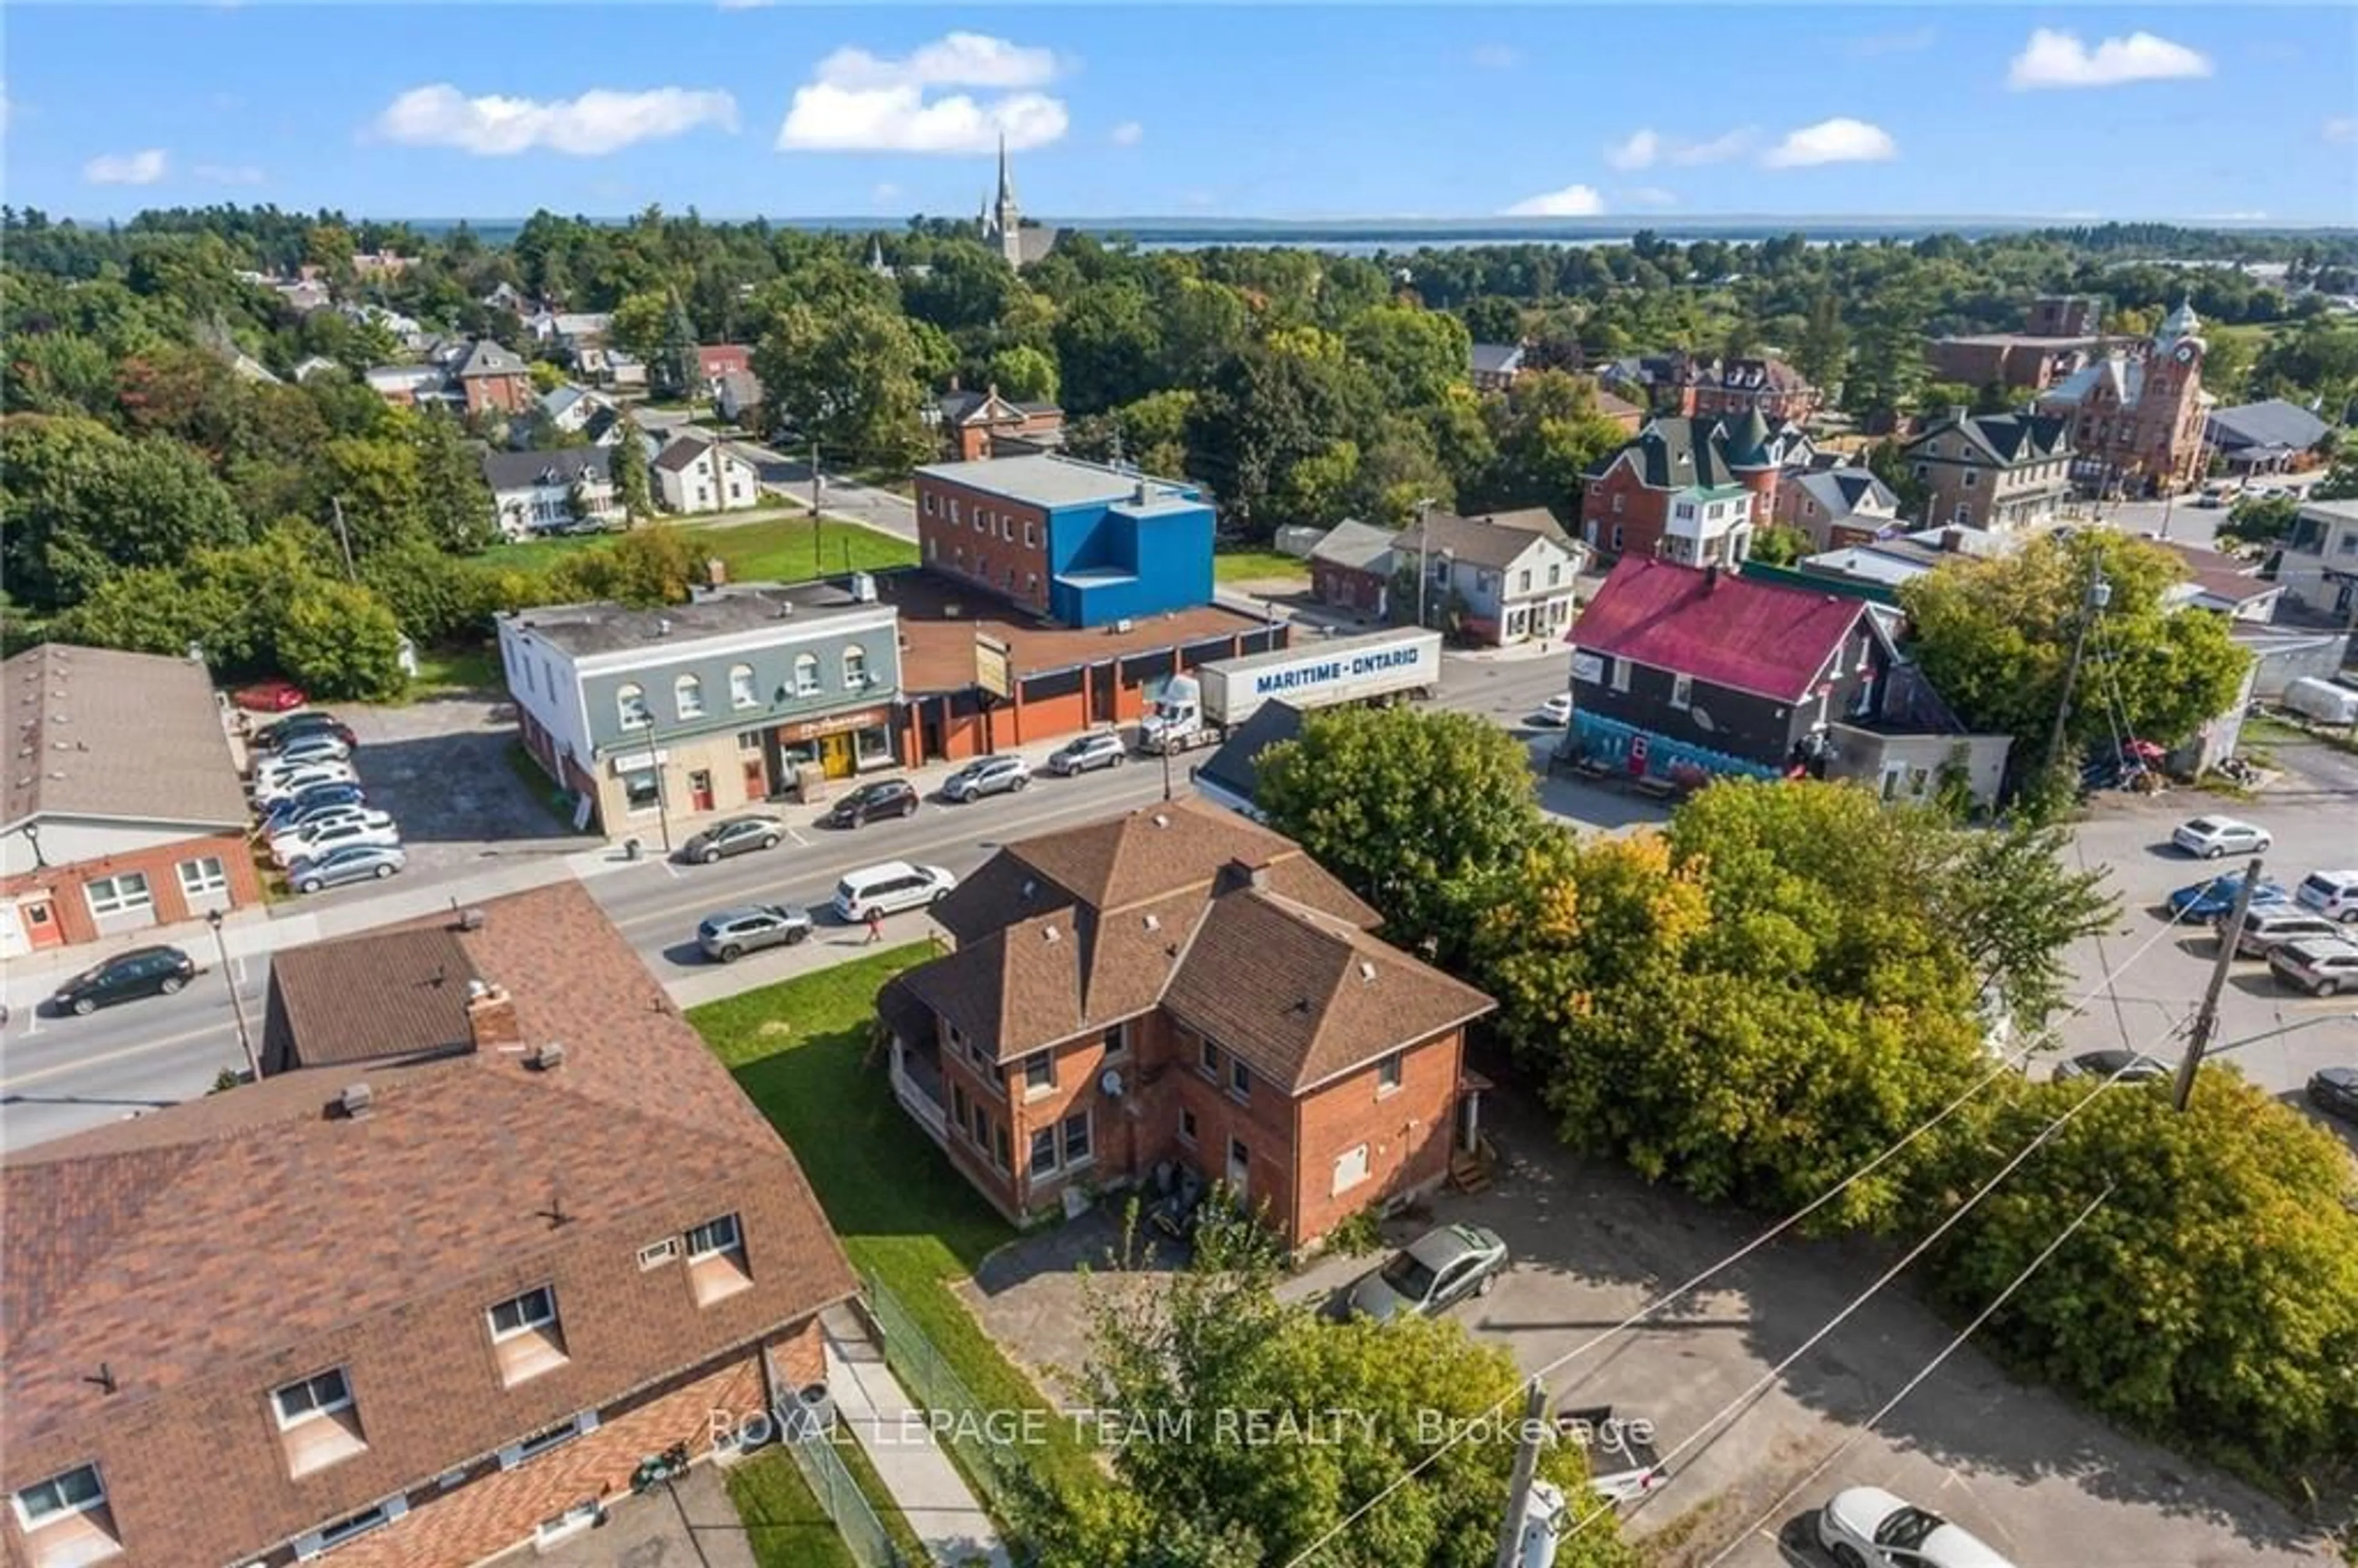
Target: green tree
(646, 566)
(1491, 320)
(1546, 432)
(340, 641)
(1208, 1492)
(848, 377)
(379, 483)
(1994, 638)
(454, 503)
(2214, 1297)
(1416, 355)
(1024, 374)
(640, 324)
(1269, 410)
(2339, 483)
(1780, 545)
(2261, 520)
(78, 503)
(1422, 813)
(633, 487)
(1108, 345)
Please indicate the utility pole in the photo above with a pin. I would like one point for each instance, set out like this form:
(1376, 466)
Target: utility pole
(336, 503)
(237, 1003)
(1526, 1463)
(1423, 556)
(2099, 593)
(2206, 1020)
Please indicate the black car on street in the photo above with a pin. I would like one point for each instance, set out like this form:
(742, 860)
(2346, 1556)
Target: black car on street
(142, 972)
(883, 797)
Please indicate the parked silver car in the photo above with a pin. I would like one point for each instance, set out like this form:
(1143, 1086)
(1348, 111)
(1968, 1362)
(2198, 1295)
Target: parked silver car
(353, 863)
(1084, 753)
(733, 933)
(1435, 1272)
(986, 775)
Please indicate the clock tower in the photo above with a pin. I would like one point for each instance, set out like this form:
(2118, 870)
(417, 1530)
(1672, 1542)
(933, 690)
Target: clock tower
(2169, 425)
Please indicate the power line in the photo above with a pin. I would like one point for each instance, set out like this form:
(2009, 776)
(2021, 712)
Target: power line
(1929, 1368)
(2005, 1064)
(1760, 1385)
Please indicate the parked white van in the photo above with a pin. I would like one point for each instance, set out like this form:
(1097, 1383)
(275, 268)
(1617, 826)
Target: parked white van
(888, 889)
(2333, 894)
(2321, 702)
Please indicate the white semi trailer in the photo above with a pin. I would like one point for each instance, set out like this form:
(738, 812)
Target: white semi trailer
(1200, 709)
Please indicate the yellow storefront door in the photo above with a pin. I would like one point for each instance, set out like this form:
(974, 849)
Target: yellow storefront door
(835, 756)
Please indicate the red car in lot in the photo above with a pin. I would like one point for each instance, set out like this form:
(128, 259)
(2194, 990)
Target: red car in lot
(269, 696)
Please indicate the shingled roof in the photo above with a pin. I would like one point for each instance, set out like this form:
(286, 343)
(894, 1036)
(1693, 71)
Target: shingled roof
(100, 734)
(1077, 930)
(1717, 627)
(1680, 452)
(207, 1253)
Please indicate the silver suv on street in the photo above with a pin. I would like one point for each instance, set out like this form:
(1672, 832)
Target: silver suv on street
(733, 933)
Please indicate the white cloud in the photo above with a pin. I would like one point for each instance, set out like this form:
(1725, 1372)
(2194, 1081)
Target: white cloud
(885, 190)
(227, 173)
(601, 120)
(1644, 149)
(1128, 134)
(1496, 56)
(1876, 45)
(2052, 58)
(1572, 201)
(1651, 196)
(2340, 130)
(126, 168)
(858, 102)
(1838, 140)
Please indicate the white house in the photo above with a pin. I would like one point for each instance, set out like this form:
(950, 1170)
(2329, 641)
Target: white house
(535, 492)
(568, 408)
(695, 475)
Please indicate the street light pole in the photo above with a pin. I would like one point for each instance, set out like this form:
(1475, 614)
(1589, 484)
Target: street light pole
(237, 1003)
(1424, 554)
(2099, 593)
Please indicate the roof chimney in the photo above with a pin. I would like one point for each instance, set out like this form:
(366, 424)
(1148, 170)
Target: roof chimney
(1138, 496)
(491, 1020)
(549, 1057)
(353, 1103)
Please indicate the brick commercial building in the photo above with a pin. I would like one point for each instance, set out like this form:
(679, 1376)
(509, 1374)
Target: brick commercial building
(979, 425)
(498, 1229)
(2064, 334)
(1998, 472)
(1080, 543)
(1179, 986)
(652, 715)
(1680, 385)
(2137, 417)
(125, 806)
(1692, 488)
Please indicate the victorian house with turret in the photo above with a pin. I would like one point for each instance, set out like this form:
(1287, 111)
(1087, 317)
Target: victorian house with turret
(2136, 416)
(1690, 489)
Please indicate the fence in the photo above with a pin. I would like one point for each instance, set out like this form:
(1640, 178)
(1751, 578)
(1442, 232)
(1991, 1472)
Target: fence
(990, 1467)
(823, 1470)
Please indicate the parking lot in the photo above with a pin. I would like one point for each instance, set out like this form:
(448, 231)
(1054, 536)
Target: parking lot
(2130, 834)
(442, 769)
(2040, 1480)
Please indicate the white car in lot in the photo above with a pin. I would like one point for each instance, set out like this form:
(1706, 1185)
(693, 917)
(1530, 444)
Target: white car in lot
(2212, 836)
(1866, 1527)
(273, 785)
(2333, 894)
(1556, 711)
(311, 842)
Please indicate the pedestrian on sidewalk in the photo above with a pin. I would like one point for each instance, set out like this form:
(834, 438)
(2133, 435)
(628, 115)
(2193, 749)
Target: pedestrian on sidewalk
(875, 927)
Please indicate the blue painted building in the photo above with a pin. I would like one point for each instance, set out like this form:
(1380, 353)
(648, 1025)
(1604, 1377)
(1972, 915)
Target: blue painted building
(1080, 543)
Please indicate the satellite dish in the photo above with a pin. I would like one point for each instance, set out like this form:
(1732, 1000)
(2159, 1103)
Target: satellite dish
(1109, 1083)
(1702, 720)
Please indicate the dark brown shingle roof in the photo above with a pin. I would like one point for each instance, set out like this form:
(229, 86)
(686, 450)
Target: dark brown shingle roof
(210, 1252)
(400, 994)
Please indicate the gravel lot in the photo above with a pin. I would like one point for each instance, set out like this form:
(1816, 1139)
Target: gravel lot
(442, 768)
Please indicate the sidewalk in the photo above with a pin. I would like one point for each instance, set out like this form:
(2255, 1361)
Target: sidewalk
(932, 1495)
(689, 1523)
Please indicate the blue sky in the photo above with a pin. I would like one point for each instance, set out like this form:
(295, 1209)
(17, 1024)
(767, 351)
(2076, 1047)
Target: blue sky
(1436, 110)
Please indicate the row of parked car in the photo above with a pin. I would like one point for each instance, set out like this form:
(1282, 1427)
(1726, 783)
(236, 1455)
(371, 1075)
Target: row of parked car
(2304, 933)
(312, 813)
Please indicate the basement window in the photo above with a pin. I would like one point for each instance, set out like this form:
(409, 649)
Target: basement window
(541, 1442)
(715, 1260)
(527, 1338)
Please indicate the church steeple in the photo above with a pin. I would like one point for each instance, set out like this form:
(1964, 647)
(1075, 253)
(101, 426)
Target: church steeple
(1003, 221)
(1006, 179)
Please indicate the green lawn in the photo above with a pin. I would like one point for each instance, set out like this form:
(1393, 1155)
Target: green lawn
(783, 1522)
(779, 549)
(469, 669)
(1243, 565)
(801, 1049)
(530, 553)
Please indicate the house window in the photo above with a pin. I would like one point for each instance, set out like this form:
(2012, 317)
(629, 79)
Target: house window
(957, 1105)
(855, 667)
(527, 1338)
(1555, 573)
(60, 1498)
(954, 509)
(1031, 584)
(313, 1399)
(1187, 1127)
(630, 704)
(982, 1127)
(1116, 1040)
(1388, 1074)
(1523, 581)
(202, 875)
(1207, 1061)
(715, 1260)
(317, 1424)
(1680, 690)
(1007, 527)
(1239, 1078)
(1620, 674)
(932, 549)
(998, 1144)
(1920, 470)
(1350, 1167)
(348, 1527)
(1973, 477)
(687, 698)
(742, 692)
(1044, 1150)
(1616, 535)
(805, 674)
(1076, 1140)
(1030, 536)
(1039, 1072)
(119, 894)
(932, 510)
(1618, 498)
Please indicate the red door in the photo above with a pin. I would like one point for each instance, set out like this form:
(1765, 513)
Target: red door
(757, 784)
(1638, 755)
(700, 790)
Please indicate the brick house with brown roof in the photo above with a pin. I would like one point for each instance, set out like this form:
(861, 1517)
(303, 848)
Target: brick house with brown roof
(495, 1229)
(1180, 986)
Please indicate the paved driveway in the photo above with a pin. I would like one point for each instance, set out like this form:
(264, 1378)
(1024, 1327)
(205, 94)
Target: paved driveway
(441, 767)
(2044, 1482)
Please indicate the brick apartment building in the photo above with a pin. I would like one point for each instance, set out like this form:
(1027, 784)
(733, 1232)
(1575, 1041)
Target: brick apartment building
(126, 809)
(2063, 334)
(1690, 488)
(488, 376)
(979, 425)
(2000, 472)
(1083, 543)
(494, 1228)
(1681, 385)
(1179, 986)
